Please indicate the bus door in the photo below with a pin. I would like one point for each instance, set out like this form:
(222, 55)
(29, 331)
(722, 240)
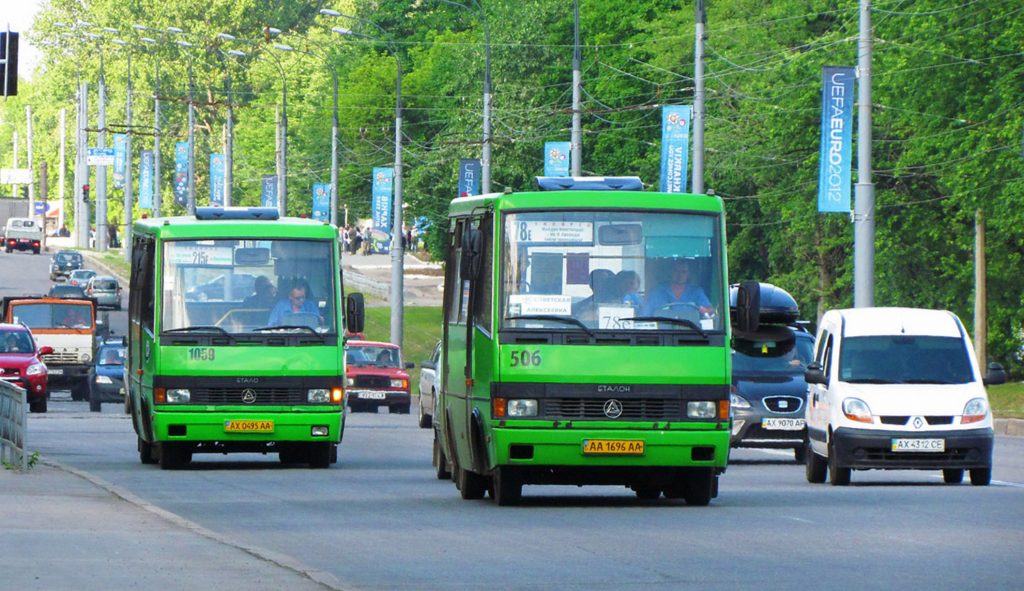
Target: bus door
(141, 345)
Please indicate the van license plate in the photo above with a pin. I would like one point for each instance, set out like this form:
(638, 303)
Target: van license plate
(919, 445)
(623, 447)
(780, 424)
(249, 426)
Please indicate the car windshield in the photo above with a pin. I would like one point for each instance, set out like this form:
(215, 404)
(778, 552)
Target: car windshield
(245, 286)
(902, 359)
(105, 284)
(54, 315)
(111, 355)
(614, 270)
(15, 341)
(67, 291)
(790, 356)
(377, 356)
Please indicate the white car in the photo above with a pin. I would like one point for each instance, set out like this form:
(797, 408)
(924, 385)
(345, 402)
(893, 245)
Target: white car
(897, 388)
(430, 385)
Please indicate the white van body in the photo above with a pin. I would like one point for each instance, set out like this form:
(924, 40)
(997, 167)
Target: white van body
(23, 234)
(896, 388)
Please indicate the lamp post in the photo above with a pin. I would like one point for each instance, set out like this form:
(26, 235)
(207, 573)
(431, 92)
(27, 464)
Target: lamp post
(156, 120)
(397, 254)
(191, 191)
(126, 235)
(101, 170)
(485, 152)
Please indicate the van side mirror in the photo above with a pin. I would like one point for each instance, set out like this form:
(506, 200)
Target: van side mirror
(748, 306)
(995, 375)
(355, 313)
(815, 374)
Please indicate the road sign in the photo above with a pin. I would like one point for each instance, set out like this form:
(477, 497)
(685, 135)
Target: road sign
(100, 157)
(40, 207)
(15, 176)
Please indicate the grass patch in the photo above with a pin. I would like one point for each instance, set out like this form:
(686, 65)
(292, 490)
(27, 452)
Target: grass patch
(1007, 400)
(422, 330)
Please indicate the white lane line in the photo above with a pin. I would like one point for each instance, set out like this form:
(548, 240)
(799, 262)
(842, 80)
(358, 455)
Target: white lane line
(996, 482)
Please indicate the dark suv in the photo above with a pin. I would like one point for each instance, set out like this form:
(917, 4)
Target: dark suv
(63, 263)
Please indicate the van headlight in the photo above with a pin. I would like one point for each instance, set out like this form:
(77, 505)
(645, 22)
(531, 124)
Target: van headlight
(856, 409)
(975, 410)
(318, 395)
(178, 395)
(521, 407)
(701, 409)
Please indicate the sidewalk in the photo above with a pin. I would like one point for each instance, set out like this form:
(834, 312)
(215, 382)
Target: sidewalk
(63, 529)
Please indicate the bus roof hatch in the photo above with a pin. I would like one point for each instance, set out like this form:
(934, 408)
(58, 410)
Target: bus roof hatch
(237, 213)
(590, 183)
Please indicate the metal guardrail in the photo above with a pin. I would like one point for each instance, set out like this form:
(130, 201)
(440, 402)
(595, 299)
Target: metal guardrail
(13, 425)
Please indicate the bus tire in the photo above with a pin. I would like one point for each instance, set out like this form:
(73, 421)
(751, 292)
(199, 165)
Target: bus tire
(145, 452)
(442, 470)
(319, 455)
(174, 455)
(700, 487)
(507, 486)
(471, 485)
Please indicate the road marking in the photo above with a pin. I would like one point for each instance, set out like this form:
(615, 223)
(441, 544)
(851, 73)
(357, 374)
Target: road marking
(995, 482)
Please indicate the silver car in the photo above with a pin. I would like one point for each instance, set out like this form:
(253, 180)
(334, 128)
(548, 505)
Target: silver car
(430, 385)
(106, 290)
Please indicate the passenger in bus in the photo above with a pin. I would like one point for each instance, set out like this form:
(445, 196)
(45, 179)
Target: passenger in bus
(264, 294)
(297, 303)
(602, 286)
(678, 290)
(628, 284)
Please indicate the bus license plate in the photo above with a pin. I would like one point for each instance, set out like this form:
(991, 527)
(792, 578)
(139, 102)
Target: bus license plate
(781, 424)
(372, 395)
(925, 445)
(624, 447)
(249, 426)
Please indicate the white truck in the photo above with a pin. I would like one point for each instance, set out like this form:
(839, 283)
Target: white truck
(23, 234)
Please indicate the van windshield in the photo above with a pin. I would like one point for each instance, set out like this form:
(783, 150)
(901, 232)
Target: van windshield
(902, 359)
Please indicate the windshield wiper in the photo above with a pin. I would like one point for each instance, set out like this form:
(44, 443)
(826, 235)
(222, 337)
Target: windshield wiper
(562, 319)
(927, 381)
(872, 381)
(679, 321)
(200, 328)
(289, 327)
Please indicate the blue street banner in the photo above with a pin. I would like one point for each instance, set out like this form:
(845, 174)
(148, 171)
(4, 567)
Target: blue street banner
(181, 173)
(469, 177)
(383, 181)
(120, 156)
(675, 147)
(321, 202)
(556, 158)
(836, 154)
(146, 179)
(268, 190)
(217, 180)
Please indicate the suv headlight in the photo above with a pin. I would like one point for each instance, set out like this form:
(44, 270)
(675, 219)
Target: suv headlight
(738, 401)
(521, 408)
(856, 409)
(400, 384)
(35, 369)
(975, 410)
(178, 395)
(318, 395)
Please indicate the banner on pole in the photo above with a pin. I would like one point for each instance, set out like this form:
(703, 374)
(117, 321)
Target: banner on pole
(146, 179)
(675, 147)
(383, 181)
(469, 177)
(835, 168)
(181, 173)
(321, 202)
(556, 158)
(217, 180)
(120, 156)
(268, 190)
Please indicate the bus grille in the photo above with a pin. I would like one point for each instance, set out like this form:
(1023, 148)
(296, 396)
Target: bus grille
(373, 382)
(263, 396)
(593, 408)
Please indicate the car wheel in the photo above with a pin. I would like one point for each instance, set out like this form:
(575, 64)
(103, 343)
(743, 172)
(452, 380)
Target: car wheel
(981, 476)
(953, 475)
(145, 452)
(837, 475)
(37, 406)
(815, 467)
(800, 454)
(441, 468)
(701, 487)
(402, 409)
(507, 486)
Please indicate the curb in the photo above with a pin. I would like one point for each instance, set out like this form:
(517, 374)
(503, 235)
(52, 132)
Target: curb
(320, 577)
(1010, 427)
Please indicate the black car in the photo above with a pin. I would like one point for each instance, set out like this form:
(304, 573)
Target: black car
(64, 262)
(58, 290)
(106, 377)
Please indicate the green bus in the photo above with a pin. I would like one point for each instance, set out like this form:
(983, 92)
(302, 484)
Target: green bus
(573, 353)
(236, 337)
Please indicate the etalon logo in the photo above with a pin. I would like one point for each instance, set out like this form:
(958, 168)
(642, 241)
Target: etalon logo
(248, 396)
(613, 409)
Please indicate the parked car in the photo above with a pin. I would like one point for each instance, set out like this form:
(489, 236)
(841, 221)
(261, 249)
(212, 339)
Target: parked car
(60, 290)
(897, 388)
(430, 385)
(64, 262)
(106, 290)
(23, 234)
(106, 377)
(376, 376)
(21, 364)
(80, 277)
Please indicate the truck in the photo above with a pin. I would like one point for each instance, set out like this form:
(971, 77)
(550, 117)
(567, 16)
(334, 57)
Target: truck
(23, 234)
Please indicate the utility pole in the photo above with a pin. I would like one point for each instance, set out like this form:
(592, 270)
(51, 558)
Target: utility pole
(31, 167)
(485, 153)
(60, 173)
(864, 190)
(277, 153)
(157, 199)
(191, 204)
(334, 149)
(980, 293)
(14, 161)
(397, 235)
(698, 99)
(83, 218)
(101, 171)
(126, 235)
(576, 140)
(229, 144)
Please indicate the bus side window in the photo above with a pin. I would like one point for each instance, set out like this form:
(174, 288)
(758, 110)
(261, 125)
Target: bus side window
(453, 279)
(142, 283)
(482, 307)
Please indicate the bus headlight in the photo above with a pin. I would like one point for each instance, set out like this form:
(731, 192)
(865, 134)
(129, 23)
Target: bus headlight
(103, 380)
(318, 395)
(701, 409)
(400, 384)
(521, 408)
(178, 395)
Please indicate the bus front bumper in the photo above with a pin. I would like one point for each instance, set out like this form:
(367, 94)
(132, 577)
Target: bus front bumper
(247, 426)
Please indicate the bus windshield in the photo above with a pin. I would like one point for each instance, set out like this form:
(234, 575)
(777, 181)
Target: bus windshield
(246, 286)
(612, 270)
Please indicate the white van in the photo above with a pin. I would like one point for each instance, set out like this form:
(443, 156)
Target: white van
(23, 234)
(897, 388)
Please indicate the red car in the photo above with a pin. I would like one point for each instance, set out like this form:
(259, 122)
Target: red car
(376, 376)
(21, 363)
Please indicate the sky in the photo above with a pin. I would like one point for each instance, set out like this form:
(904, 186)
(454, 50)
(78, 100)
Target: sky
(18, 15)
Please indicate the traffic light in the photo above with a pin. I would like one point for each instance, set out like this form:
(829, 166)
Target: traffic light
(8, 64)
(85, 193)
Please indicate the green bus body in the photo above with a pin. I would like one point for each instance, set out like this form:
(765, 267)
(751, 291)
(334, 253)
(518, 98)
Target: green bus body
(649, 370)
(250, 388)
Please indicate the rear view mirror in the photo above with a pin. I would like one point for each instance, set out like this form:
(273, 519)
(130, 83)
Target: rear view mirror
(252, 257)
(814, 374)
(995, 375)
(355, 314)
(620, 234)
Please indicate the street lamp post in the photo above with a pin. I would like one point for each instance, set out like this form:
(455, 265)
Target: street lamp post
(191, 190)
(156, 120)
(101, 170)
(126, 235)
(397, 250)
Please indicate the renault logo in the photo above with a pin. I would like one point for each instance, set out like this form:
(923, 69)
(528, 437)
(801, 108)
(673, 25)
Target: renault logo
(613, 409)
(918, 423)
(248, 396)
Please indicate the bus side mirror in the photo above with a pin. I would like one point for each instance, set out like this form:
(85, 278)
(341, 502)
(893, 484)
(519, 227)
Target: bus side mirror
(355, 315)
(748, 306)
(996, 375)
(814, 374)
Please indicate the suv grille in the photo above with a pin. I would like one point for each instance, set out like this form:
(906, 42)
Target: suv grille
(784, 404)
(10, 371)
(264, 396)
(593, 408)
(373, 382)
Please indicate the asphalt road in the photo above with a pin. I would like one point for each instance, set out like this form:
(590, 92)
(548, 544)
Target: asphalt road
(380, 520)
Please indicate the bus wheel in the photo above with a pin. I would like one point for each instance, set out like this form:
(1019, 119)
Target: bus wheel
(145, 452)
(319, 455)
(442, 470)
(174, 456)
(647, 492)
(471, 485)
(700, 487)
(288, 454)
(508, 486)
